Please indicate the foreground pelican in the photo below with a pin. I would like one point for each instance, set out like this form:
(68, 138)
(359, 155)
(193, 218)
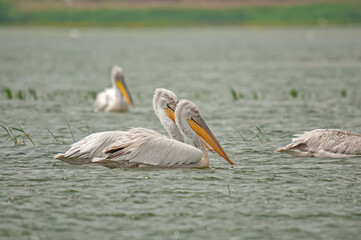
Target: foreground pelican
(140, 147)
(331, 143)
(164, 104)
(117, 98)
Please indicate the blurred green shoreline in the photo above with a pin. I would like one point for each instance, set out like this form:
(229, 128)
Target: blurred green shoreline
(309, 14)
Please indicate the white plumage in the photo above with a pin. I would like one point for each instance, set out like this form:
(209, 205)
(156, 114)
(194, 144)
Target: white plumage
(108, 101)
(117, 98)
(164, 104)
(331, 143)
(137, 147)
(140, 147)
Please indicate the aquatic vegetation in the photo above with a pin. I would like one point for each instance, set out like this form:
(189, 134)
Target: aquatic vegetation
(20, 129)
(56, 139)
(10, 133)
(59, 140)
(8, 92)
(86, 130)
(92, 94)
(294, 93)
(260, 135)
(19, 94)
(343, 93)
(71, 132)
(236, 95)
(32, 92)
(243, 138)
(255, 95)
(16, 134)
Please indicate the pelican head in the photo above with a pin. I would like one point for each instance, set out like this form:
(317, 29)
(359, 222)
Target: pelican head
(188, 111)
(118, 80)
(166, 100)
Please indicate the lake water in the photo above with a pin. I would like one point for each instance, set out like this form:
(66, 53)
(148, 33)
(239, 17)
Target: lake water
(286, 81)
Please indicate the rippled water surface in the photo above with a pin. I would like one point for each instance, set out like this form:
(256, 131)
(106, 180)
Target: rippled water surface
(285, 80)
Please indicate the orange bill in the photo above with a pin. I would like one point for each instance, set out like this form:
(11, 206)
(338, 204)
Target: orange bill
(170, 113)
(169, 110)
(200, 127)
(123, 88)
(207, 145)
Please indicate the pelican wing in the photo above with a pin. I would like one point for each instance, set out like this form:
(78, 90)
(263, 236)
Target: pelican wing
(145, 147)
(324, 143)
(90, 147)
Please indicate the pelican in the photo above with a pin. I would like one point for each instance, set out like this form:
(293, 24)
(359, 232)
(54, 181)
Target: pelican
(117, 98)
(140, 147)
(332, 143)
(164, 104)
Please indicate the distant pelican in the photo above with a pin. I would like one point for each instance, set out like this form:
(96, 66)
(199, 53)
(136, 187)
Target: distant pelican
(117, 98)
(140, 147)
(332, 143)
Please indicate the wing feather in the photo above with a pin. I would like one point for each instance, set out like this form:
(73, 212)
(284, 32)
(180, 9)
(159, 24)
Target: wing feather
(90, 147)
(138, 146)
(151, 148)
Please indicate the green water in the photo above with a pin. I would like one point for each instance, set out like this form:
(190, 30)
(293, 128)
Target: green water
(286, 81)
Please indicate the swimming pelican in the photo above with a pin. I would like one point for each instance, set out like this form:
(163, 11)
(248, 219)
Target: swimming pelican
(140, 147)
(332, 143)
(164, 104)
(117, 98)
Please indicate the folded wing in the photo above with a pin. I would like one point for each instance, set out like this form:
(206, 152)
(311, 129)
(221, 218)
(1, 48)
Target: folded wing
(90, 147)
(144, 147)
(133, 148)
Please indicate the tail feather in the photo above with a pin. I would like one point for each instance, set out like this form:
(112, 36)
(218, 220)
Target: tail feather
(289, 147)
(282, 149)
(296, 150)
(72, 160)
